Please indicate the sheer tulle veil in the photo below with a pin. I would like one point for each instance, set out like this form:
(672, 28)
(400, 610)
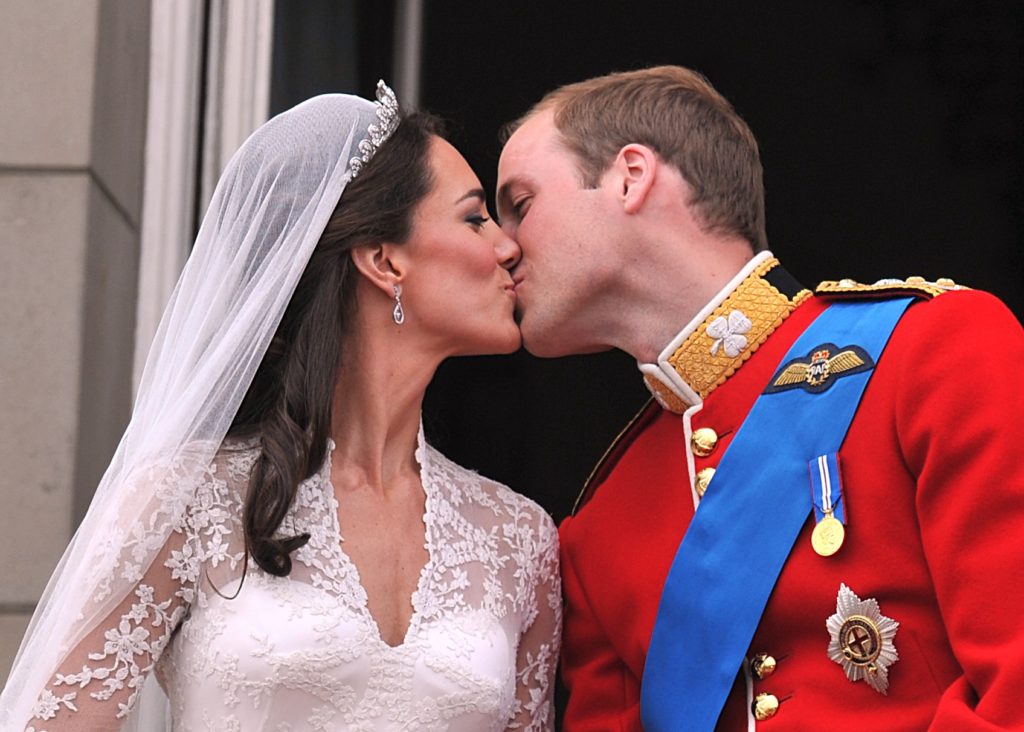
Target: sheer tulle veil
(266, 216)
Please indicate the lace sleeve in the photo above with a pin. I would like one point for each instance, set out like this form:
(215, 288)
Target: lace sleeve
(99, 679)
(98, 682)
(537, 658)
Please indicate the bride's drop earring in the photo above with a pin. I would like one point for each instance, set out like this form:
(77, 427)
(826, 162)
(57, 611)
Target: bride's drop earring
(398, 314)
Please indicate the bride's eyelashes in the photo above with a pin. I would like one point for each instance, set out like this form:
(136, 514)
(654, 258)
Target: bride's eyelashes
(477, 220)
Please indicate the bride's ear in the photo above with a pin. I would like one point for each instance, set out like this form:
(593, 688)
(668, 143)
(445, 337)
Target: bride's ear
(378, 263)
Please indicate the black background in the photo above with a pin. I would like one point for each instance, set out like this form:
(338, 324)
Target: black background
(892, 135)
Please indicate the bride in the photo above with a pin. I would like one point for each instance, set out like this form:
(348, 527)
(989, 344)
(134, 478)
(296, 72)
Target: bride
(274, 538)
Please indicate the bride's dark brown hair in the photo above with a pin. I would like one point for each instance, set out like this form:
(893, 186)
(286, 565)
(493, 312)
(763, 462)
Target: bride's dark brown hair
(288, 404)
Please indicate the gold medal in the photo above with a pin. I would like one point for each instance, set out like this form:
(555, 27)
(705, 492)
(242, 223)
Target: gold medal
(828, 535)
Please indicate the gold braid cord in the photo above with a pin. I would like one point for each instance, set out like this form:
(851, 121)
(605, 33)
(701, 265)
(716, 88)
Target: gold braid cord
(913, 286)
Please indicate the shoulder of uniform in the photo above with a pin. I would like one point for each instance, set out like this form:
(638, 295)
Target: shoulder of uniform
(615, 451)
(891, 287)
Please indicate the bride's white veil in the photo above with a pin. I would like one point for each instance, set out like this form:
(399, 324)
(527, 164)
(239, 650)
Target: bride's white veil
(266, 216)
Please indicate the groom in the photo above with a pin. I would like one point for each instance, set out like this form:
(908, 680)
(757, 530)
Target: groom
(816, 522)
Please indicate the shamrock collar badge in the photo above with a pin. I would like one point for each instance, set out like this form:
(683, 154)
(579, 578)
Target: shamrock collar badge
(728, 335)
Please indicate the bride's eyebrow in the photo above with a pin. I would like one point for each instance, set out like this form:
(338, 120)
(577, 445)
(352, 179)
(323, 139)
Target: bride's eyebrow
(475, 193)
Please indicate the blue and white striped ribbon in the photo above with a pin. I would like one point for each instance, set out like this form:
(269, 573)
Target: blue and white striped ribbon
(827, 487)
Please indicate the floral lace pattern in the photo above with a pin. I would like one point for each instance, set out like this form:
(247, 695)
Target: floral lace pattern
(303, 652)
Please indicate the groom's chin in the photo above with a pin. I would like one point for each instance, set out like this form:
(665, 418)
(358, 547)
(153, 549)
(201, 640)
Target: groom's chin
(534, 342)
(551, 345)
(540, 349)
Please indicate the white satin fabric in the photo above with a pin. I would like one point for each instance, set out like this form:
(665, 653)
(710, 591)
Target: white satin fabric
(303, 652)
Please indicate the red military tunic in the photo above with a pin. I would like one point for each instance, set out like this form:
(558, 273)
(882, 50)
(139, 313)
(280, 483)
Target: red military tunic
(934, 491)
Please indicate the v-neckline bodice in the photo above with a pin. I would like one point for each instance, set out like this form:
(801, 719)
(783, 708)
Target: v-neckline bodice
(349, 571)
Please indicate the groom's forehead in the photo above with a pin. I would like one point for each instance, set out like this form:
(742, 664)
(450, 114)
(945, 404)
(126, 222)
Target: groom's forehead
(531, 150)
(535, 135)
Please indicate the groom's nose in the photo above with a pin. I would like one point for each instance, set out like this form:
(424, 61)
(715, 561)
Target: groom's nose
(508, 251)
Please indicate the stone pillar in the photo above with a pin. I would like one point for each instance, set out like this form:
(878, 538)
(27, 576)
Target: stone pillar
(73, 91)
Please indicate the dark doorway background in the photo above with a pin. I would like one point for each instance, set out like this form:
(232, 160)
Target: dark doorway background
(892, 134)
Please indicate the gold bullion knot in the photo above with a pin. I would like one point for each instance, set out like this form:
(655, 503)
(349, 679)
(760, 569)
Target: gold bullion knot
(762, 665)
(861, 640)
(700, 483)
(765, 706)
(817, 371)
(703, 441)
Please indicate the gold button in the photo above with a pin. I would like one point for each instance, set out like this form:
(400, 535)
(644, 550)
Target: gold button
(916, 280)
(945, 282)
(703, 478)
(765, 706)
(762, 665)
(703, 441)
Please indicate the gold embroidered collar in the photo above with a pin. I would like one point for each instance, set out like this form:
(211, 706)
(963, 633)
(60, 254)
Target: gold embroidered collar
(724, 334)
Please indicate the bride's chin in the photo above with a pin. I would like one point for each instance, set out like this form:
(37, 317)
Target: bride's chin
(515, 342)
(514, 337)
(503, 339)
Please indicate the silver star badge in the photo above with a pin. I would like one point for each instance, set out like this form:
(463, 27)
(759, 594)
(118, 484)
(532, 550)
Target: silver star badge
(862, 640)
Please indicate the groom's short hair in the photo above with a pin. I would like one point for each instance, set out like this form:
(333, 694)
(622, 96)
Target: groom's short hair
(678, 114)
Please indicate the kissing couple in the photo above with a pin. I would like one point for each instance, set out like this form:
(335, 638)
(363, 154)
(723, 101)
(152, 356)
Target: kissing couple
(277, 545)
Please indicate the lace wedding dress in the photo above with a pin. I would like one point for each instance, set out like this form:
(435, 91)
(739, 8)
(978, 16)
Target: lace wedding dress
(303, 652)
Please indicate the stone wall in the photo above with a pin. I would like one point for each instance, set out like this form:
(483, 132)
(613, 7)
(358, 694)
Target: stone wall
(73, 93)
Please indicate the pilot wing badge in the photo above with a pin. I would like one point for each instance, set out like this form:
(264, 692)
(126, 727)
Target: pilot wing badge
(817, 371)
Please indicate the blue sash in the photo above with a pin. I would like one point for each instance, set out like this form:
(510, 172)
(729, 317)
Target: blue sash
(739, 539)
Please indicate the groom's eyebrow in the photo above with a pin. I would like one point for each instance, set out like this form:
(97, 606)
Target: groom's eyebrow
(475, 193)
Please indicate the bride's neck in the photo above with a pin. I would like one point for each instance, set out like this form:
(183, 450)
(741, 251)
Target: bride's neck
(377, 401)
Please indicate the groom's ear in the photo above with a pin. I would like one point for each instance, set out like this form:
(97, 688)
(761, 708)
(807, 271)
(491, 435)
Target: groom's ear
(636, 167)
(378, 263)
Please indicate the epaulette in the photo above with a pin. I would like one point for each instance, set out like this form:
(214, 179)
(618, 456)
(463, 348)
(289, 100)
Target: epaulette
(615, 451)
(912, 286)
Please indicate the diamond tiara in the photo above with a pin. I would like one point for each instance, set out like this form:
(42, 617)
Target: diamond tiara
(377, 134)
